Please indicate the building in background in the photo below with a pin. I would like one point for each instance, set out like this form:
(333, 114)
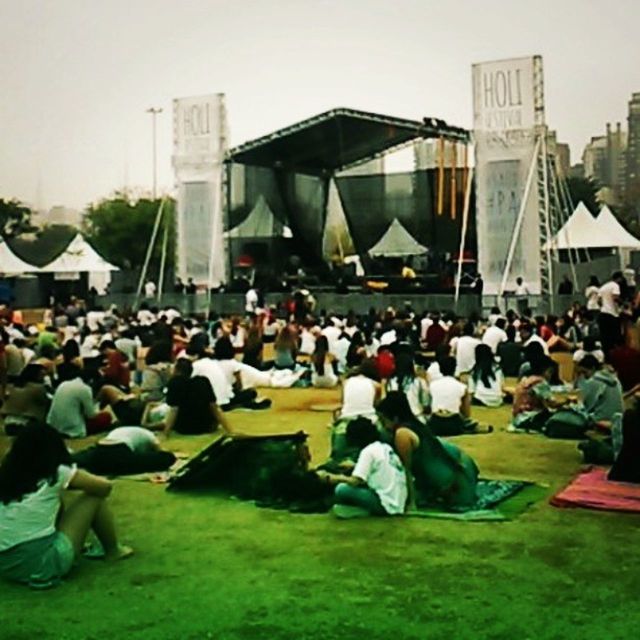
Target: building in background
(605, 161)
(633, 145)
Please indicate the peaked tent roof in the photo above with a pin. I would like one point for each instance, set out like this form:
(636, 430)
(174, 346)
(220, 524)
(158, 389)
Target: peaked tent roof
(610, 225)
(260, 223)
(581, 231)
(79, 256)
(337, 139)
(397, 242)
(11, 264)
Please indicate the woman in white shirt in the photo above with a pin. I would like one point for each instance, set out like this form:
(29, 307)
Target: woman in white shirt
(38, 541)
(323, 373)
(486, 379)
(414, 387)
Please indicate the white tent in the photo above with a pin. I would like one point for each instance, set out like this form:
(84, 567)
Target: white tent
(397, 242)
(610, 225)
(260, 223)
(10, 264)
(79, 257)
(336, 240)
(580, 231)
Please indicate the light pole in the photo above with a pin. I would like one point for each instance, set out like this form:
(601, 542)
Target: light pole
(154, 111)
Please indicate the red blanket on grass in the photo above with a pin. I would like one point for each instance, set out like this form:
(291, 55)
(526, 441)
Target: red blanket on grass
(592, 490)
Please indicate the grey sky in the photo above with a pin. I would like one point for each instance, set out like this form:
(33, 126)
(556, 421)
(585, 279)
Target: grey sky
(77, 75)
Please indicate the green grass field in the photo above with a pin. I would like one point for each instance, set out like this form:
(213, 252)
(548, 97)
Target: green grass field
(213, 567)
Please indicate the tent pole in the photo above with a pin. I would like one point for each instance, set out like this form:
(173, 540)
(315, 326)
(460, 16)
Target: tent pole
(520, 218)
(163, 258)
(147, 259)
(463, 235)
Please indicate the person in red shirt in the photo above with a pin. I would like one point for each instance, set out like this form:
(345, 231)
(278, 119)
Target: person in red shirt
(116, 370)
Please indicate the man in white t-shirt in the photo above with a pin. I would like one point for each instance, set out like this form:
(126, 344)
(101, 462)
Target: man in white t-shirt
(447, 393)
(609, 317)
(465, 350)
(495, 334)
(378, 483)
(251, 301)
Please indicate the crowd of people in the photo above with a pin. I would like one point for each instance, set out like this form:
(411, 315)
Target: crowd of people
(408, 381)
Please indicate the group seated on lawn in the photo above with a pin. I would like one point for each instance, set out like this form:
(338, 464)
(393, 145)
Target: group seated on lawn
(409, 382)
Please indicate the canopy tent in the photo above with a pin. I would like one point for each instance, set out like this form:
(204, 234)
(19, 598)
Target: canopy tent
(583, 231)
(10, 264)
(336, 242)
(260, 223)
(397, 242)
(79, 257)
(580, 231)
(610, 225)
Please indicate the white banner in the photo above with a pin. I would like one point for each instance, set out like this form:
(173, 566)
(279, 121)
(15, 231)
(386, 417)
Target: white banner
(505, 118)
(200, 137)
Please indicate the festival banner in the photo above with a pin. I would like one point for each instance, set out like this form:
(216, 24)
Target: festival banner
(507, 110)
(200, 144)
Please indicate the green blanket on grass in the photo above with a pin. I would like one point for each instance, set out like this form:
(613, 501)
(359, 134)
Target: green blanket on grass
(497, 500)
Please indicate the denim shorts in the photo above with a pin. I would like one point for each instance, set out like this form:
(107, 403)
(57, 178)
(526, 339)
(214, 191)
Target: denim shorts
(40, 563)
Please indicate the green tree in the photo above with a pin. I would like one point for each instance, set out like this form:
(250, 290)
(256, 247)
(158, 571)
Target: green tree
(15, 218)
(585, 190)
(120, 230)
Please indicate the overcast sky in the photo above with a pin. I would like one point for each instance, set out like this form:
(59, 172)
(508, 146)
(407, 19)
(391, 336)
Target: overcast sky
(77, 75)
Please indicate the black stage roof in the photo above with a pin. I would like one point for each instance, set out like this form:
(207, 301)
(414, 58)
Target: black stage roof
(338, 139)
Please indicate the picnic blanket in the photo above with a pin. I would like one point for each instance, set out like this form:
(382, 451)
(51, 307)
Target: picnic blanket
(496, 500)
(591, 490)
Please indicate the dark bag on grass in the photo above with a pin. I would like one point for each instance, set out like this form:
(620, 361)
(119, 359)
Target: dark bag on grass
(567, 424)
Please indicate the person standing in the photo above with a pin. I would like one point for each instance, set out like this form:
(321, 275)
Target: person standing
(150, 289)
(609, 318)
(522, 295)
(591, 293)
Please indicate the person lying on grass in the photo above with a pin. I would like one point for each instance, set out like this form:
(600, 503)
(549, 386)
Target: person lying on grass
(378, 483)
(39, 540)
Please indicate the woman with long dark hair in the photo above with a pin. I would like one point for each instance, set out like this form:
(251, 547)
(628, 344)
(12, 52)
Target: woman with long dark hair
(38, 540)
(413, 386)
(486, 379)
(437, 470)
(323, 374)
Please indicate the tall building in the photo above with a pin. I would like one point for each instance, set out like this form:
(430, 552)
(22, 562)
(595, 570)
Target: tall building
(633, 146)
(605, 161)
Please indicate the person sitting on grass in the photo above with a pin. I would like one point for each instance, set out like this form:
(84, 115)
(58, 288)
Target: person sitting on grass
(378, 484)
(533, 399)
(600, 389)
(450, 403)
(192, 403)
(28, 401)
(323, 365)
(413, 386)
(486, 379)
(437, 470)
(73, 411)
(626, 467)
(39, 541)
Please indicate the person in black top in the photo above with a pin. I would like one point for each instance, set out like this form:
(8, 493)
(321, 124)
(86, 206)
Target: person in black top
(510, 354)
(192, 402)
(565, 287)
